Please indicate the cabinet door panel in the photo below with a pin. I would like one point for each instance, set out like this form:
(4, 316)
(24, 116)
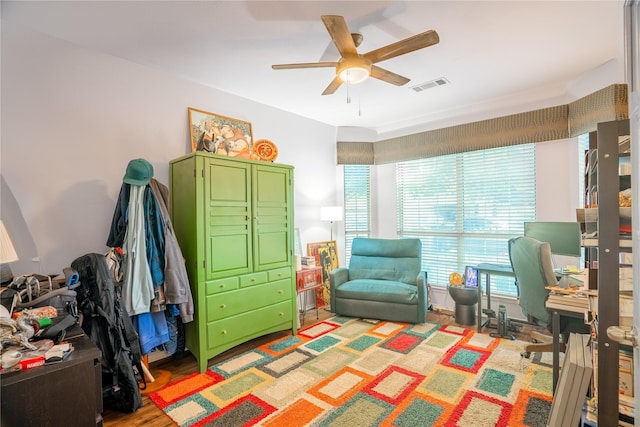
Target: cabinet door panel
(273, 249)
(228, 207)
(232, 259)
(271, 203)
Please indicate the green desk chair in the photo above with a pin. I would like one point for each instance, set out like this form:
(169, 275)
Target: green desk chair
(533, 267)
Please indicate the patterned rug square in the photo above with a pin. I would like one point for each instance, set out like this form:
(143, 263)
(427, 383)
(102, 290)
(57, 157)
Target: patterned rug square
(347, 372)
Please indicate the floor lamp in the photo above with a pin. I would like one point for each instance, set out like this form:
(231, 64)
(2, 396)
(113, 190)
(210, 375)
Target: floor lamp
(331, 214)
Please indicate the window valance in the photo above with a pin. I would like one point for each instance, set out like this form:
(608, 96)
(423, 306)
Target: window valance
(547, 124)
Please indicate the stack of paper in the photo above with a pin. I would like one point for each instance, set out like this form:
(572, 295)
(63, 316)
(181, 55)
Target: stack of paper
(568, 302)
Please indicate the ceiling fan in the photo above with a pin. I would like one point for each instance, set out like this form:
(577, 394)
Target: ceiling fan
(353, 67)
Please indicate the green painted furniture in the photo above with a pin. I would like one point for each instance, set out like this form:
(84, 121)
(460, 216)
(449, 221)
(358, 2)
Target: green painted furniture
(234, 221)
(383, 281)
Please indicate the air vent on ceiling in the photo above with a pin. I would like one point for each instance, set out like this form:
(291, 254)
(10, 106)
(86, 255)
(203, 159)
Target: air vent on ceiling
(428, 85)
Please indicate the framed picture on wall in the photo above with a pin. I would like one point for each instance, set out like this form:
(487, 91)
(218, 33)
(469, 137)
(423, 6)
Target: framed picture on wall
(326, 255)
(219, 134)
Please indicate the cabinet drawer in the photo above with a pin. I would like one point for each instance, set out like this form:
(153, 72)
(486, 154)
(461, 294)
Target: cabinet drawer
(221, 285)
(280, 273)
(227, 331)
(253, 279)
(238, 301)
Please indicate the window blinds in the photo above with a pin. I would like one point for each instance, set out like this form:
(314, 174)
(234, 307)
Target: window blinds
(357, 204)
(465, 207)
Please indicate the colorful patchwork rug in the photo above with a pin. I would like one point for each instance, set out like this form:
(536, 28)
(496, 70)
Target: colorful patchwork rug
(347, 372)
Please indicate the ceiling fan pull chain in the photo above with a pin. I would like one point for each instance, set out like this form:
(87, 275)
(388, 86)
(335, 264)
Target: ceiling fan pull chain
(348, 94)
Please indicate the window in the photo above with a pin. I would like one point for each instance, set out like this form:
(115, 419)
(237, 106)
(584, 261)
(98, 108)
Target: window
(465, 207)
(357, 204)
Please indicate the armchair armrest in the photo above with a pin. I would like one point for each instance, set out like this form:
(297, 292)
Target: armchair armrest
(337, 277)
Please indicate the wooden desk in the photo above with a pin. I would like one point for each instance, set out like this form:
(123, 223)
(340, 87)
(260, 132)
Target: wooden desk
(555, 328)
(62, 394)
(488, 270)
(556, 313)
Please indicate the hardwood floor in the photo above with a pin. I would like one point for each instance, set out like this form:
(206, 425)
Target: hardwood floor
(149, 415)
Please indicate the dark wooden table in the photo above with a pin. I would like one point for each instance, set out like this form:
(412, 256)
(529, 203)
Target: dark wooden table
(68, 393)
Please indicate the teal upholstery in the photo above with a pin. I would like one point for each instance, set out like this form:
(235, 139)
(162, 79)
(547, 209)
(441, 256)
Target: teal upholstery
(533, 267)
(383, 281)
(532, 264)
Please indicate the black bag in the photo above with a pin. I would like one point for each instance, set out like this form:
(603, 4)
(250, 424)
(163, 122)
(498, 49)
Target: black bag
(104, 320)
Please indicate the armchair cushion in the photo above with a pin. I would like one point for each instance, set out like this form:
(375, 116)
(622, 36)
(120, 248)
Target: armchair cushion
(378, 290)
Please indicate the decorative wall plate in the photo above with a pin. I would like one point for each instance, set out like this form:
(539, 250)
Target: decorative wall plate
(265, 150)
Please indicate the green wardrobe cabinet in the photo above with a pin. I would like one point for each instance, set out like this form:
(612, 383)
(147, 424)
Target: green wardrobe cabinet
(234, 221)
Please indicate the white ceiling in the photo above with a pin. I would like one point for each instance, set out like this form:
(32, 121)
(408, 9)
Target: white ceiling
(494, 53)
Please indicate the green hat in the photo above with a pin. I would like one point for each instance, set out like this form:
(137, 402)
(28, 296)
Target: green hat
(139, 172)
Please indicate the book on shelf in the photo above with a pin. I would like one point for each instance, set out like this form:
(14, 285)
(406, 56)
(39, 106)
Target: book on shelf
(625, 372)
(626, 405)
(625, 379)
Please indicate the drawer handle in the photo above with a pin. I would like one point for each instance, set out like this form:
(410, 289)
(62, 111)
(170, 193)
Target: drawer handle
(222, 286)
(253, 279)
(279, 291)
(279, 274)
(224, 332)
(223, 306)
(281, 314)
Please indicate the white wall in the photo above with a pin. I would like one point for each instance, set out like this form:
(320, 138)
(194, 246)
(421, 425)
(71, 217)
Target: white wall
(72, 119)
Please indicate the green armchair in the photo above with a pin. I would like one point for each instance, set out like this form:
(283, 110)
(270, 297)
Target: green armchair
(383, 281)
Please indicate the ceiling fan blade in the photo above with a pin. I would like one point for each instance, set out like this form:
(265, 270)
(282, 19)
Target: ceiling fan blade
(419, 41)
(333, 86)
(388, 76)
(340, 34)
(304, 65)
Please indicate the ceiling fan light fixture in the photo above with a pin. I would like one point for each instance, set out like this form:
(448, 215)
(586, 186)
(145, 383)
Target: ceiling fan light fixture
(354, 75)
(354, 70)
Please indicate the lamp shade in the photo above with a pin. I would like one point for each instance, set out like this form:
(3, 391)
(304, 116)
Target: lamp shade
(7, 250)
(331, 213)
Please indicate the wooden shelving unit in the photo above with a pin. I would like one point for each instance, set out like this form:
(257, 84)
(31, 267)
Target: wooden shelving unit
(605, 251)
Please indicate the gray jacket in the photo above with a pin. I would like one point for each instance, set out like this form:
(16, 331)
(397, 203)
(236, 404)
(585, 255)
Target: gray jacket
(176, 282)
